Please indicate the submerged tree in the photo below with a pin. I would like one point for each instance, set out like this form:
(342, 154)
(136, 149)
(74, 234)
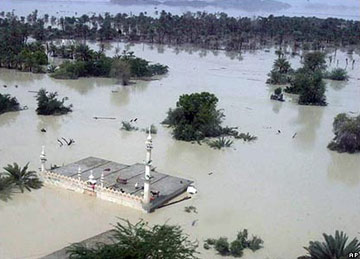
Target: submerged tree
(195, 117)
(280, 74)
(121, 71)
(333, 247)
(21, 177)
(308, 80)
(338, 74)
(6, 186)
(312, 89)
(347, 134)
(235, 248)
(8, 103)
(134, 241)
(48, 104)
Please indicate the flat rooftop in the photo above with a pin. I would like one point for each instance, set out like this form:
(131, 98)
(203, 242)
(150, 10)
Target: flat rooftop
(168, 186)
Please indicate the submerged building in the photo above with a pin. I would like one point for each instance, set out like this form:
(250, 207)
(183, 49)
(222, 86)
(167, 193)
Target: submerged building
(138, 186)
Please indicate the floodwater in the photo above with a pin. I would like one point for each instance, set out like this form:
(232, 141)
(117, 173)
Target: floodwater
(285, 190)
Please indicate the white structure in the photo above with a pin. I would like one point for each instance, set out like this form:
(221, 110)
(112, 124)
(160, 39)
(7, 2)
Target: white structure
(79, 173)
(43, 159)
(149, 147)
(121, 184)
(102, 179)
(91, 179)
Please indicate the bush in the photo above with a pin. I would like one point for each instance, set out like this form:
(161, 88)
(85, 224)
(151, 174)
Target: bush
(158, 69)
(278, 91)
(128, 126)
(255, 243)
(313, 92)
(347, 134)
(48, 104)
(222, 246)
(195, 117)
(153, 129)
(8, 103)
(337, 74)
(220, 143)
(245, 137)
(236, 248)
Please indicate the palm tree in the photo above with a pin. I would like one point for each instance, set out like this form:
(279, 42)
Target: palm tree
(333, 247)
(22, 178)
(5, 188)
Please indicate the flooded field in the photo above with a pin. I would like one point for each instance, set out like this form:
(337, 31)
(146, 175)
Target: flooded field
(286, 190)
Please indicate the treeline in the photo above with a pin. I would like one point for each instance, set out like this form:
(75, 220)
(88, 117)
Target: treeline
(87, 62)
(212, 31)
(17, 53)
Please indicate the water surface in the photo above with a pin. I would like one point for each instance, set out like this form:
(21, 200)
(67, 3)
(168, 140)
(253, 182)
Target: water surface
(286, 190)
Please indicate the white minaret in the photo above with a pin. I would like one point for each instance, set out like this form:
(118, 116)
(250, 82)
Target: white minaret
(79, 173)
(91, 178)
(149, 147)
(43, 159)
(102, 179)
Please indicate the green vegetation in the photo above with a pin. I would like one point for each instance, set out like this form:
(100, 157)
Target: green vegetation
(19, 178)
(121, 71)
(236, 247)
(347, 134)
(245, 136)
(92, 63)
(153, 129)
(190, 209)
(338, 74)
(195, 117)
(8, 103)
(308, 80)
(134, 241)
(211, 31)
(48, 104)
(128, 126)
(312, 90)
(281, 72)
(220, 143)
(333, 247)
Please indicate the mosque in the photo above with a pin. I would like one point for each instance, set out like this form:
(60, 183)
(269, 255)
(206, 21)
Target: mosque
(138, 186)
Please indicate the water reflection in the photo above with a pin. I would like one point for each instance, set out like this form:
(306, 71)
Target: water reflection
(309, 118)
(120, 96)
(12, 77)
(336, 85)
(276, 106)
(8, 118)
(344, 168)
(52, 123)
(84, 85)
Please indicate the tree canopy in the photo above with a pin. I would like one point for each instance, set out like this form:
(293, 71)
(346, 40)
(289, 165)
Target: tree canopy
(8, 103)
(335, 247)
(48, 104)
(134, 241)
(17, 178)
(206, 30)
(195, 117)
(347, 134)
(307, 81)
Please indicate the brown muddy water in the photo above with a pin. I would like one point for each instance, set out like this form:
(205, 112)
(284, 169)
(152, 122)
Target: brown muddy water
(286, 190)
